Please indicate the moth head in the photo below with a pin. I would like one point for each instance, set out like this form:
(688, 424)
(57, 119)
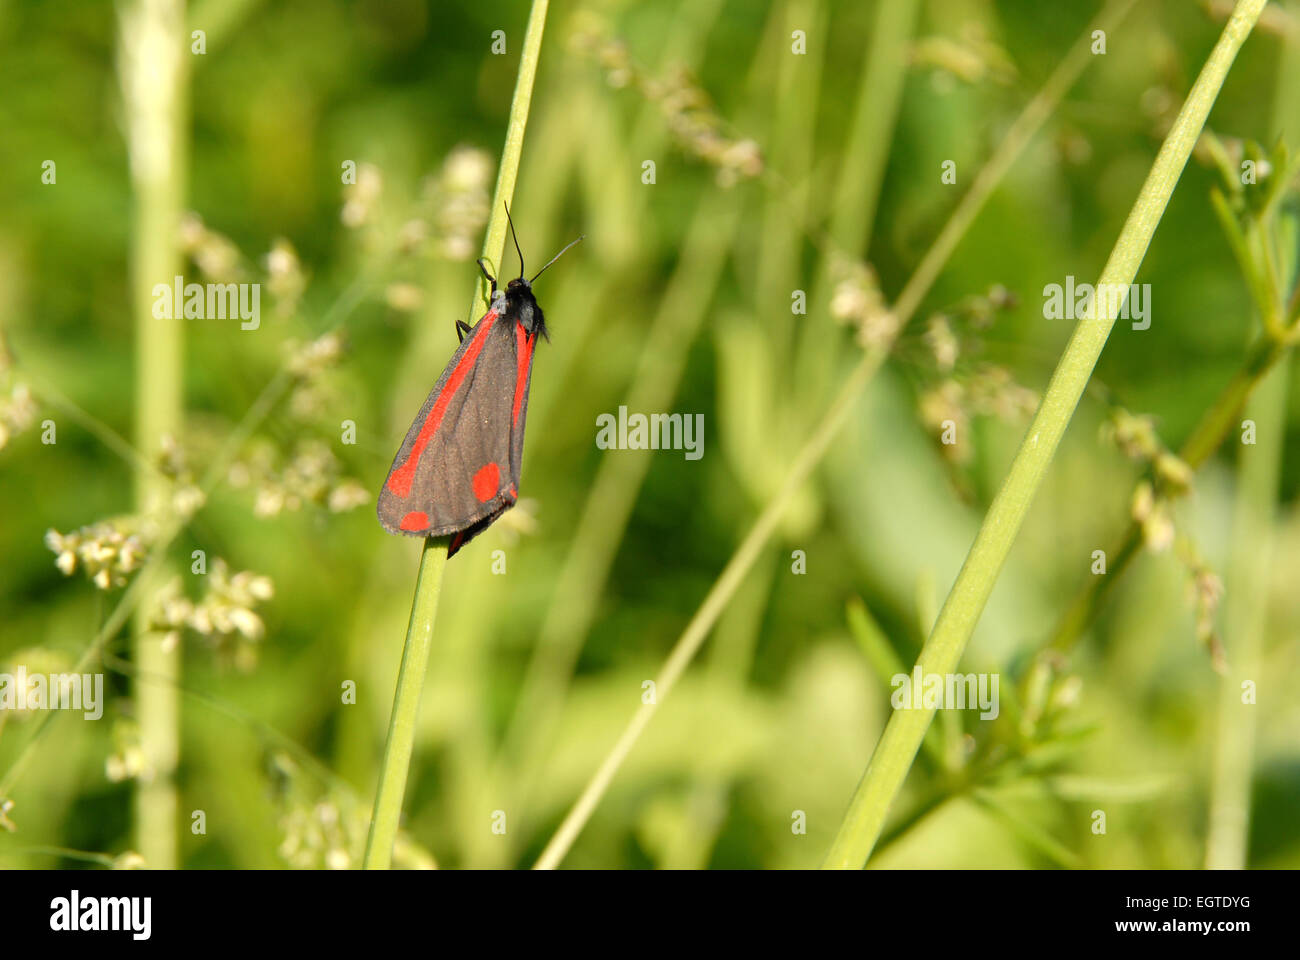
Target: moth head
(521, 306)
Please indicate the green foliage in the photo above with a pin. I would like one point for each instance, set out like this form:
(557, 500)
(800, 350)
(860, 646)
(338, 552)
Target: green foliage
(679, 301)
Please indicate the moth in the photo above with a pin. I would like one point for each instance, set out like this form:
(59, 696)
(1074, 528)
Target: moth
(458, 469)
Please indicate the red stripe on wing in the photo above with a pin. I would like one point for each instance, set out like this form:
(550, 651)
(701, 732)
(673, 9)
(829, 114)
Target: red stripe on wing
(400, 480)
(524, 353)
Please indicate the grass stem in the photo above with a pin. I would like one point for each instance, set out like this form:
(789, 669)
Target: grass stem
(906, 728)
(424, 605)
(406, 706)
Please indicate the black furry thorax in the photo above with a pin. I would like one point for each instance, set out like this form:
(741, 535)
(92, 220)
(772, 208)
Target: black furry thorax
(521, 306)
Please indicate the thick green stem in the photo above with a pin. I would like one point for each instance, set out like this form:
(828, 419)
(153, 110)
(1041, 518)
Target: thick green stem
(155, 87)
(898, 745)
(428, 586)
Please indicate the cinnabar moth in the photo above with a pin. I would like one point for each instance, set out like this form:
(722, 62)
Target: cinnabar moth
(458, 468)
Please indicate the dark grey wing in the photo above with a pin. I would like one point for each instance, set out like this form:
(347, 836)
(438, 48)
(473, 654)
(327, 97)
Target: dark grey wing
(458, 464)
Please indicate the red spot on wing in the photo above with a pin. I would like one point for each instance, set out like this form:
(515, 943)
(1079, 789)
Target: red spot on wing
(524, 352)
(399, 481)
(486, 482)
(415, 520)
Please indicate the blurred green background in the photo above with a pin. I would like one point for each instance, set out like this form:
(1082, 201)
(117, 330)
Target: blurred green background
(679, 300)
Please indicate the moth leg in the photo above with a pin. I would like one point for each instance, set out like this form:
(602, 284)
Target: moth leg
(462, 327)
(491, 279)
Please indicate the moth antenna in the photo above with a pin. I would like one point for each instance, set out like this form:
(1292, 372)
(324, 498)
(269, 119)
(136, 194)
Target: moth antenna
(557, 257)
(514, 237)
